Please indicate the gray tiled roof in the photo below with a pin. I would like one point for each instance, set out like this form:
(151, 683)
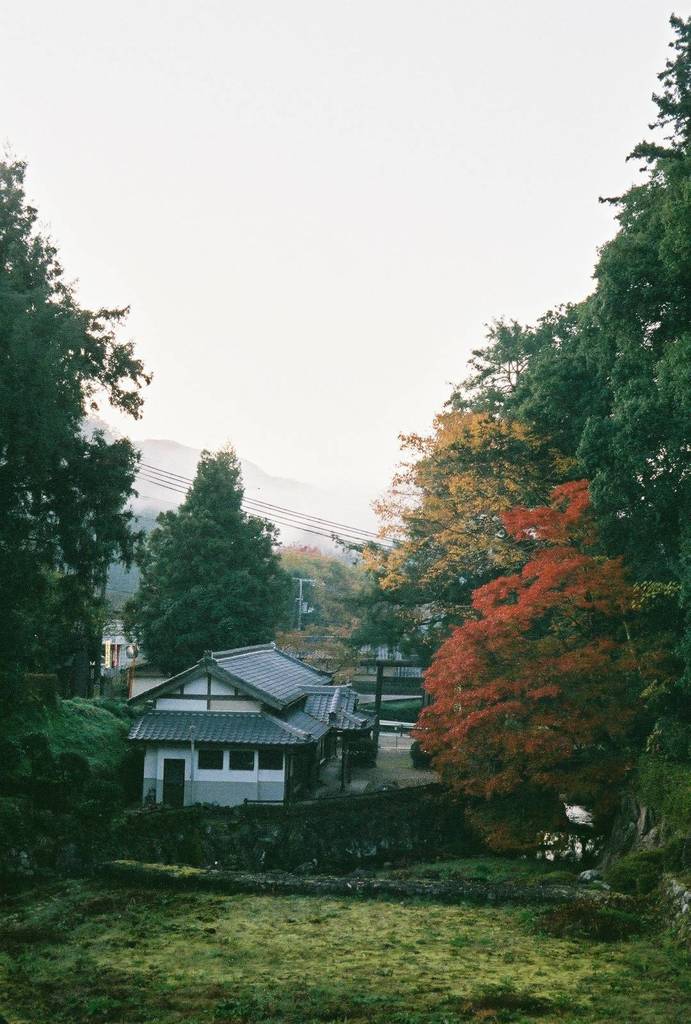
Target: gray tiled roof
(354, 720)
(339, 701)
(218, 727)
(307, 723)
(271, 671)
(321, 700)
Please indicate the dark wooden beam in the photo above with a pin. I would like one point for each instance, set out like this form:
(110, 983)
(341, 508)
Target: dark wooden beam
(377, 701)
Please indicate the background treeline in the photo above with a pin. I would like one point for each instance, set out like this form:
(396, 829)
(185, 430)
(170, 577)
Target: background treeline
(598, 390)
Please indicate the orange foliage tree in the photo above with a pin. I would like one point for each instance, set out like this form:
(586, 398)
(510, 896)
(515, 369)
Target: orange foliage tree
(534, 700)
(444, 510)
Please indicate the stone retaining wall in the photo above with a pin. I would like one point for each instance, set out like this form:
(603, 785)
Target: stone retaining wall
(324, 835)
(676, 901)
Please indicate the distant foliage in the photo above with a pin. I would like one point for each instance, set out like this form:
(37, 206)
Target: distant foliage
(332, 592)
(329, 593)
(210, 577)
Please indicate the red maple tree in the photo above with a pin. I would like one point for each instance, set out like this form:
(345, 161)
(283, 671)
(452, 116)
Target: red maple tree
(533, 700)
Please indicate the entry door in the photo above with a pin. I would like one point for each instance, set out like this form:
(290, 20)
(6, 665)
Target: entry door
(174, 781)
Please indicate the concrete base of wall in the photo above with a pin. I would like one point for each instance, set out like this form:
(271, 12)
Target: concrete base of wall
(223, 794)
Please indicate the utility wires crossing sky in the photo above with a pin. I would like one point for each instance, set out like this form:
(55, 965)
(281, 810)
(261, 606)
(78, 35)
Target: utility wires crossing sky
(279, 515)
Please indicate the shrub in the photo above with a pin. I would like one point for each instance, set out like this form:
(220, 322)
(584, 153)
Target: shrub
(638, 873)
(37, 748)
(670, 739)
(10, 761)
(418, 756)
(584, 920)
(363, 753)
(72, 770)
(558, 877)
(666, 786)
(130, 774)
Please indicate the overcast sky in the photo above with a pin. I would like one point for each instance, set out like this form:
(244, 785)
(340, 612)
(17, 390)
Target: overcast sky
(314, 207)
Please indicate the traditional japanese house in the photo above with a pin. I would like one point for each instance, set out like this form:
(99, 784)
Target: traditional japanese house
(249, 724)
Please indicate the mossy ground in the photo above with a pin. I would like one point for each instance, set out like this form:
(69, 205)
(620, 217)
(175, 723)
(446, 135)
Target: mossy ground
(491, 869)
(83, 953)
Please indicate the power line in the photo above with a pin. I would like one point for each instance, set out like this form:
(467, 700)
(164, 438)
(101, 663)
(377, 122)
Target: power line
(278, 514)
(283, 521)
(176, 477)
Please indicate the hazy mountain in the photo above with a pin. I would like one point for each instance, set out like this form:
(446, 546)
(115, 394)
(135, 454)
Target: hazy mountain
(172, 457)
(151, 498)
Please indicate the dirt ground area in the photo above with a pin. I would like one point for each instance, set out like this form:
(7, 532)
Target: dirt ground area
(393, 767)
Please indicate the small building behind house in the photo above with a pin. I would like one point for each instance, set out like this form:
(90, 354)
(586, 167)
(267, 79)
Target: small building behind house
(116, 650)
(248, 724)
(401, 674)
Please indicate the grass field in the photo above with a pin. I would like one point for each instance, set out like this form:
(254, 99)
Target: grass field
(83, 953)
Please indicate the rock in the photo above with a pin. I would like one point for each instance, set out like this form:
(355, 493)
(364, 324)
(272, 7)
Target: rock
(652, 839)
(592, 875)
(676, 901)
(635, 828)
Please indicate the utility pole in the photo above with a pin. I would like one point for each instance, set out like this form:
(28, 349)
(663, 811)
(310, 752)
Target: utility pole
(300, 580)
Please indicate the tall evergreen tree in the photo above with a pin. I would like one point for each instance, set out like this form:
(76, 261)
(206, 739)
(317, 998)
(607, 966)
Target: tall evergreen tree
(63, 493)
(210, 576)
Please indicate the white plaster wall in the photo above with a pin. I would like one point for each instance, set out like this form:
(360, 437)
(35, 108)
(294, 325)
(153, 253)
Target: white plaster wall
(234, 705)
(197, 685)
(150, 763)
(182, 704)
(213, 785)
(218, 686)
(179, 704)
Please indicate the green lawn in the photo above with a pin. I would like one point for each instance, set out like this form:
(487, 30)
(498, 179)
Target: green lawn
(83, 953)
